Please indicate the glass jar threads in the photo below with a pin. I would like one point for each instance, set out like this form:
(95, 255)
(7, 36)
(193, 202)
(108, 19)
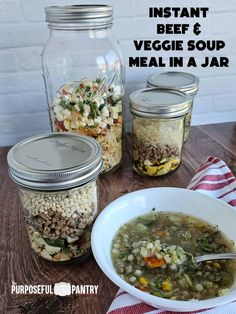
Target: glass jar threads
(84, 76)
(184, 82)
(158, 129)
(57, 178)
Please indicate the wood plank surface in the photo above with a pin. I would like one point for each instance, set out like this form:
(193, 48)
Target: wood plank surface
(19, 264)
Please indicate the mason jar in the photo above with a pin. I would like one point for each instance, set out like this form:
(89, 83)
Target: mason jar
(184, 82)
(84, 76)
(157, 129)
(57, 179)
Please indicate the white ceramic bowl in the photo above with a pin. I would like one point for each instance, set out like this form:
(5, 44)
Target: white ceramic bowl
(165, 199)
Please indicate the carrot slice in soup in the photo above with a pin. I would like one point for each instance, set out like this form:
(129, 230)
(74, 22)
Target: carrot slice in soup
(154, 262)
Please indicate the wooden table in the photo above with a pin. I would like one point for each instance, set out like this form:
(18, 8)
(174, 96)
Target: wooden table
(19, 264)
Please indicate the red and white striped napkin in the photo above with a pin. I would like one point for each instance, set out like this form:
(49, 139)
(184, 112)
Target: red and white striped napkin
(213, 178)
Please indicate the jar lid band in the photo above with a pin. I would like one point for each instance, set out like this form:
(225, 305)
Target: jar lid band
(182, 81)
(160, 102)
(79, 16)
(55, 161)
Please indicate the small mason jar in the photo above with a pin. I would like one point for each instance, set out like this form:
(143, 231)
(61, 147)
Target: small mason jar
(184, 82)
(158, 129)
(57, 178)
(84, 77)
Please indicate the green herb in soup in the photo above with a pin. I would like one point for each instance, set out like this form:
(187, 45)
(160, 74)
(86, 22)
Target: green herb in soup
(155, 253)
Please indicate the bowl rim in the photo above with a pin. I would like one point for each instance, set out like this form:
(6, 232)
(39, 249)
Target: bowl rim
(167, 304)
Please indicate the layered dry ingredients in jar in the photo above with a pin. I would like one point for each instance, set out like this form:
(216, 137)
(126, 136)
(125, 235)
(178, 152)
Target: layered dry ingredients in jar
(158, 126)
(184, 82)
(157, 145)
(94, 109)
(57, 177)
(84, 79)
(59, 224)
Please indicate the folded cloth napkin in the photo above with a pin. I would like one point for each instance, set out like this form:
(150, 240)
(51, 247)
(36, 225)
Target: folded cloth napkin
(213, 178)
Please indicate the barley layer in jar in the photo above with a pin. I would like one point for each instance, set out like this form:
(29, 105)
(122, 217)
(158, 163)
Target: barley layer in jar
(157, 145)
(59, 223)
(94, 109)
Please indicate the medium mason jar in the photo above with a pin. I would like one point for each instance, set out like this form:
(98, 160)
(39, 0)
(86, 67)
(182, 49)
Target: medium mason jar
(57, 179)
(84, 77)
(184, 82)
(158, 129)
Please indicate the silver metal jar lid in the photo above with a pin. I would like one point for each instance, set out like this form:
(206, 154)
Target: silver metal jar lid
(185, 82)
(84, 16)
(55, 161)
(159, 102)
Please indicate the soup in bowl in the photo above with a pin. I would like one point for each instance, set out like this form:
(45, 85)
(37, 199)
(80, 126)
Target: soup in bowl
(156, 253)
(145, 242)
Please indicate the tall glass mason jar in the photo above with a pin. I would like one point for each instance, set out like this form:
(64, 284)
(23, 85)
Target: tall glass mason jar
(84, 77)
(158, 129)
(184, 82)
(57, 178)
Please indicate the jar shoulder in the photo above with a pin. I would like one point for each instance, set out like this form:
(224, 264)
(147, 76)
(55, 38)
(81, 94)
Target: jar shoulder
(70, 46)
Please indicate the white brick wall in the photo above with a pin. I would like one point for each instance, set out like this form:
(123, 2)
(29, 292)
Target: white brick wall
(23, 32)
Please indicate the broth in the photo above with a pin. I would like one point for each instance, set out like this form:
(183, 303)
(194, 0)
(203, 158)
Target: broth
(154, 253)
